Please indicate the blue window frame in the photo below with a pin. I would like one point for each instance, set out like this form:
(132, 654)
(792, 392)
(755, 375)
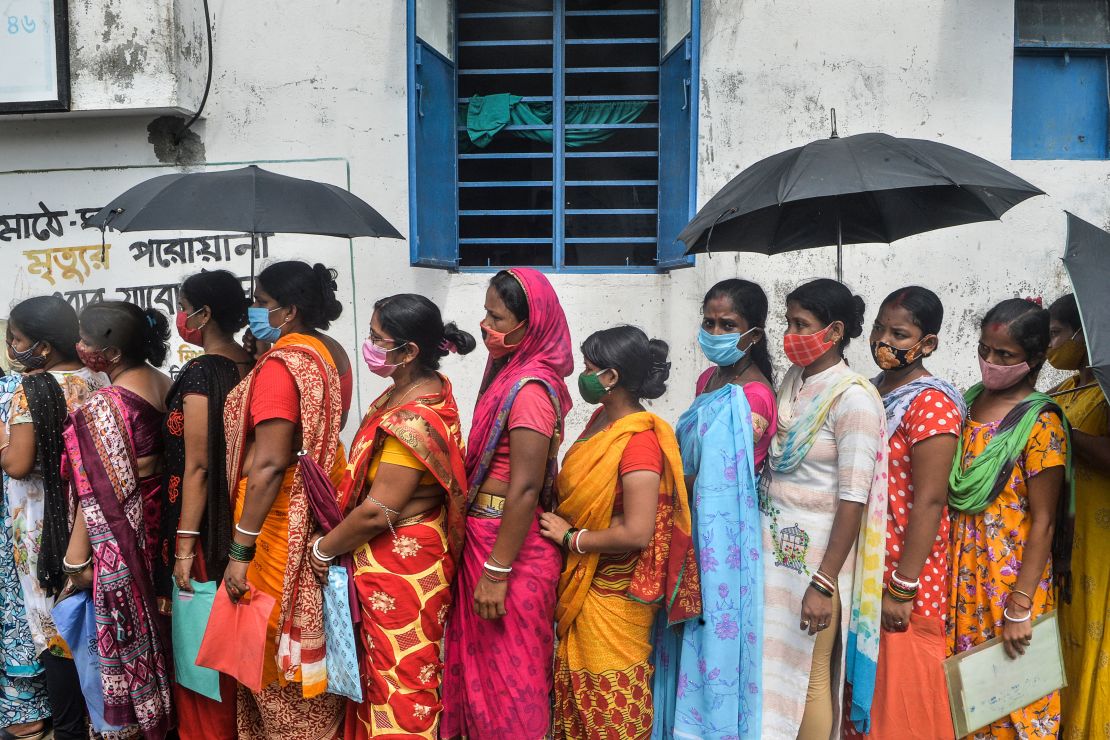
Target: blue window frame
(554, 133)
(1060, 104)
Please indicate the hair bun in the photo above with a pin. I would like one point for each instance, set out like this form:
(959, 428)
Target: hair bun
(457, 340)
(327, 277)
(156, 335)
(655, 384)
(333, 309)
(859, 308)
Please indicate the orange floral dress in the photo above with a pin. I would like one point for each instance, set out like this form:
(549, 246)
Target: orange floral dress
(985, 556)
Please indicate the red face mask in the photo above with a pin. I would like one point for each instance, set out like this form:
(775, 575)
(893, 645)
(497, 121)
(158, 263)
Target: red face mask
(495, 341)
(94, 359)
(804, 349)
(192, 336)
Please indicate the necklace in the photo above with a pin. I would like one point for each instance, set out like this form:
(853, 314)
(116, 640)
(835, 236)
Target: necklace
(408, 389)
(735, 373)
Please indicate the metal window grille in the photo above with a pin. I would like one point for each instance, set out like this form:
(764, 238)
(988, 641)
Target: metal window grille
(550, 203)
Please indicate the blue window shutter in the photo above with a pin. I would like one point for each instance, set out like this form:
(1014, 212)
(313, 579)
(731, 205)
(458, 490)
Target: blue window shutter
(433, 169)
(678, 130)
(1060, 108)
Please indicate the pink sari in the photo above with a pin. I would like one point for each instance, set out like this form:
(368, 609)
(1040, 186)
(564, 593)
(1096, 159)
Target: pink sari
(103, 441)
(498, 674)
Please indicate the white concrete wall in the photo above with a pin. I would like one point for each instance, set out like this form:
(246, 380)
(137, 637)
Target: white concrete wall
(328, 80)
(128, 55)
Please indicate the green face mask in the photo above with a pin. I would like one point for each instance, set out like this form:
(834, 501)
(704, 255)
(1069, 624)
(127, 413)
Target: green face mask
(589, 385)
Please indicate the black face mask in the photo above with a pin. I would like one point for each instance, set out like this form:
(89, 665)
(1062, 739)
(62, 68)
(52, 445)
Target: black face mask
(27, 359)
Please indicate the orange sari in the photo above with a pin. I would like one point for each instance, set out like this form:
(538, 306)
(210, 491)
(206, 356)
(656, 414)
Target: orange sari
(607, 605)
(292, 702)
(985, 557)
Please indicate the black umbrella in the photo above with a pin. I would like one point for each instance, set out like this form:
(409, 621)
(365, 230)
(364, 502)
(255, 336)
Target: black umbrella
(251, 200)
(859, 189)
(1087, 259)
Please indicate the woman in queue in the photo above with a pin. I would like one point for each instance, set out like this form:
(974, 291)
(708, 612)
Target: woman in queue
(290, 401)
(924, 415)
(113, 444)
(196, 508)
(500, 637)
(623, 519)
(827, 490)
(1086, 700)
(42, 344)
(1009, 542)
(406, 490)
(725, 435)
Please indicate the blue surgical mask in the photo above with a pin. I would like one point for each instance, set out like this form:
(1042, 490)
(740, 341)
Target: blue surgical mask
(258, 319)
(722, 349)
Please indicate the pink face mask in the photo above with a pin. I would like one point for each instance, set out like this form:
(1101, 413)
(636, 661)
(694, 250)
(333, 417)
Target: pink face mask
(1001, 377)
(375, 358)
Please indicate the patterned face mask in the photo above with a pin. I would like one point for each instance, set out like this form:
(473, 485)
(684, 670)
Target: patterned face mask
(889, 357)
(26, 359)
(804, 349)
(94, 359)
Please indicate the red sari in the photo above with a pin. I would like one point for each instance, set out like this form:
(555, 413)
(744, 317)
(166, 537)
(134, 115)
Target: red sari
(403, 578)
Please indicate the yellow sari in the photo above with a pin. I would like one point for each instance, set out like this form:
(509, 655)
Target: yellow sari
(608, 603)
(1086, 641)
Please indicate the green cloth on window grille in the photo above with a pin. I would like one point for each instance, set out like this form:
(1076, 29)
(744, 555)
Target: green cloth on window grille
(488, 115)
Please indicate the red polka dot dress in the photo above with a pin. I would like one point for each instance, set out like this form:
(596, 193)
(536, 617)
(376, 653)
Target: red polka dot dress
(931, 413)
(909, 682)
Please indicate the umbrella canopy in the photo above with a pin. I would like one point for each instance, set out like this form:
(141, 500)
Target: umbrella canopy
(1087, 259)
(250, 200)
(858, 189)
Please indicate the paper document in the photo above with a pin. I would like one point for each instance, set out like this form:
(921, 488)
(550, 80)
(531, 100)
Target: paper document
(984, 684)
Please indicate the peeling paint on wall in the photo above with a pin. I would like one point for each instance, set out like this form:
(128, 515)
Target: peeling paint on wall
(162, 134)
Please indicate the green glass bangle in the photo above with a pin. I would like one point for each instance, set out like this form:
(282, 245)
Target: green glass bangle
(566, 537)
(242, 553)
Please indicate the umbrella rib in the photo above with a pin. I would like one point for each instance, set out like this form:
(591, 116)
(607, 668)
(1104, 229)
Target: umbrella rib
(923, 160)
(348, 206)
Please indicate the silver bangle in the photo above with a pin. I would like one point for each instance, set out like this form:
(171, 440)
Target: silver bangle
(1026, 618)
(71, 569)
(188, 532)
(577, 542)
(316, 551)
(496, 569)
(240, 530)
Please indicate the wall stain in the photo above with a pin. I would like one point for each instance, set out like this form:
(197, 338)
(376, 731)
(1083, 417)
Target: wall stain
(162, 135)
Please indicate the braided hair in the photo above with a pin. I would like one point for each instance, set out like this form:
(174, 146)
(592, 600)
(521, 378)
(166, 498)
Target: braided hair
(47, 405)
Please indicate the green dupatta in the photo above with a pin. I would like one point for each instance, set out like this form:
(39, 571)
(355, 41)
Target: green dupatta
(973, 489)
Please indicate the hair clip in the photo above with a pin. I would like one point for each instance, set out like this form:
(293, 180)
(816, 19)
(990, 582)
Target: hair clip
(661, 366)
(448, 346)
(150, 320)
(1036, 299)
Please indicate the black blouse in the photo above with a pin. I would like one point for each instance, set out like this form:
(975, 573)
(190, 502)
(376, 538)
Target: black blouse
(211, 376)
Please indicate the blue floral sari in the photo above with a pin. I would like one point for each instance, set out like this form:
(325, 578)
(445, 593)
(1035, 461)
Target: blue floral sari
(22, 685)
(708, 673)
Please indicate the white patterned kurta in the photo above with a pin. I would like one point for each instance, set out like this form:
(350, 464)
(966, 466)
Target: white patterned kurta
(797, 514)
